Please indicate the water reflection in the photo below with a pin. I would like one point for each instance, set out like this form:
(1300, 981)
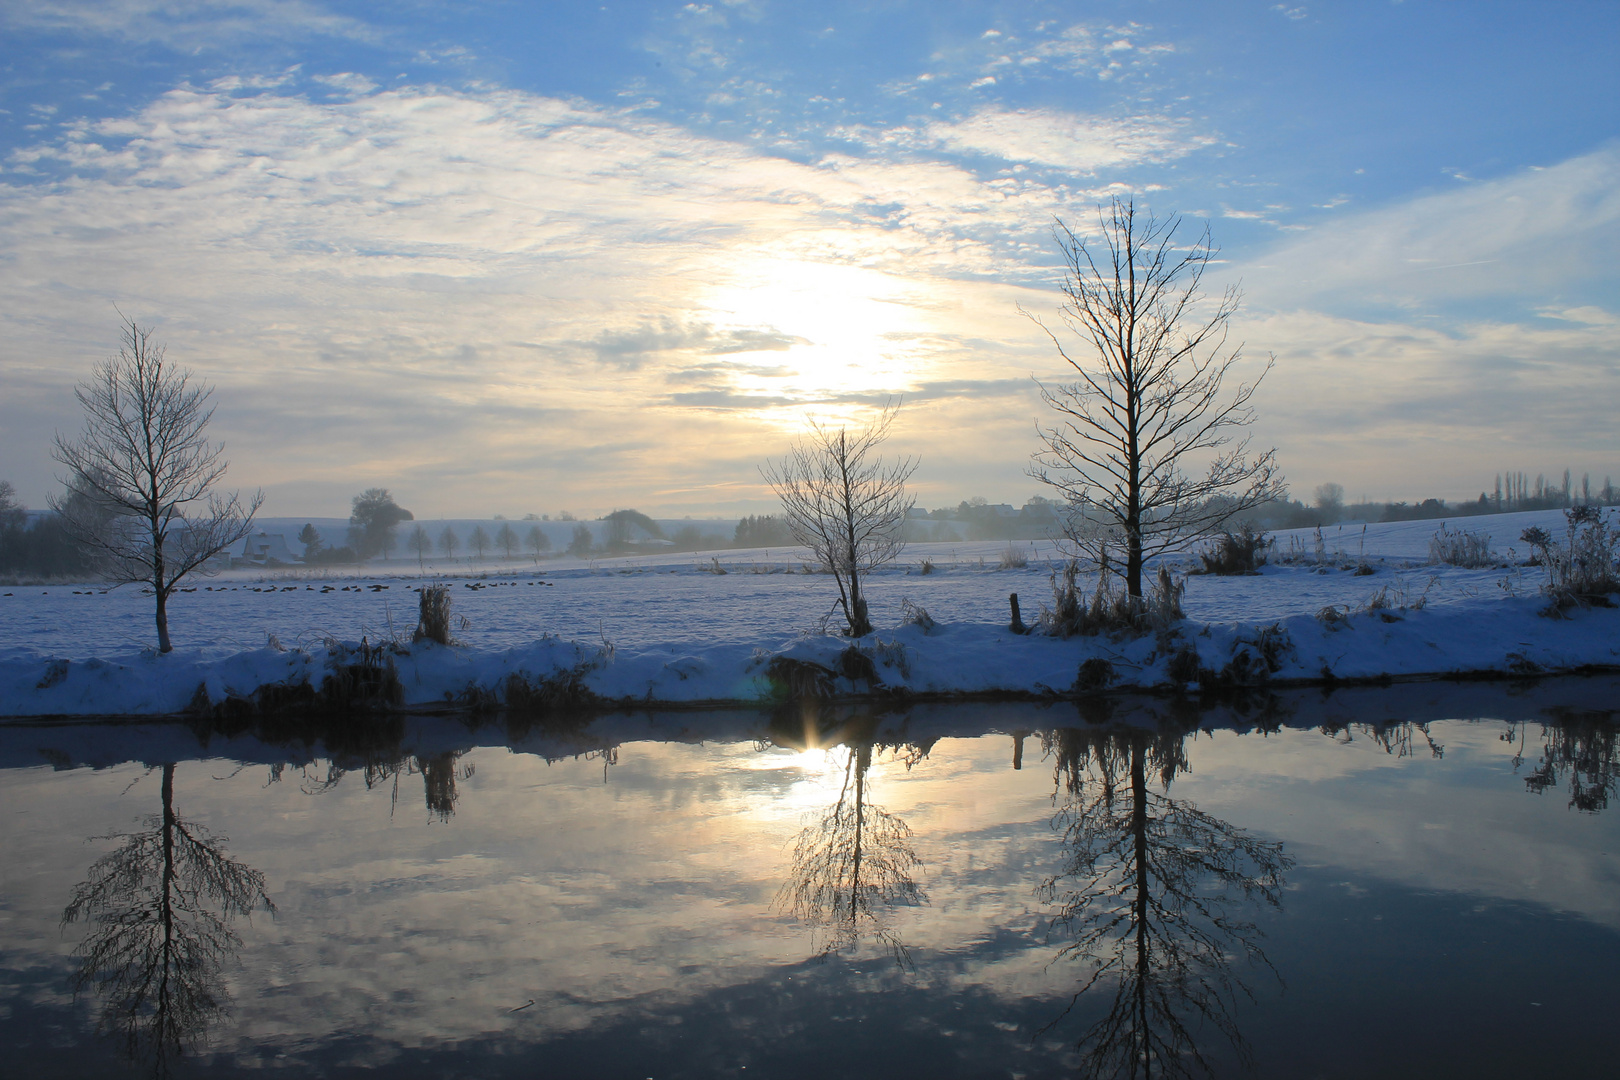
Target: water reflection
(1582, 748)
(854, 865)
(1396, 739)
(1151, 895)
(160, 908)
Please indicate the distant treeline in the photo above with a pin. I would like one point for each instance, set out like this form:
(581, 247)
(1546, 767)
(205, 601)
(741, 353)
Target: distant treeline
(38, 546)
(1513, 492)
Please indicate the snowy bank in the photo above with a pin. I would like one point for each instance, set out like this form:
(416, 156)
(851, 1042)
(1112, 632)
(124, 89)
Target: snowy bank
(1506, 636)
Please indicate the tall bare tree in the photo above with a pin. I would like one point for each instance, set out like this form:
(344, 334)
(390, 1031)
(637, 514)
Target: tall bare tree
(1148, 404)
(843, 502)
(141, 477)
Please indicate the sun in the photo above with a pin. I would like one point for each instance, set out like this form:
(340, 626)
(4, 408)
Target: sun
(852, 330)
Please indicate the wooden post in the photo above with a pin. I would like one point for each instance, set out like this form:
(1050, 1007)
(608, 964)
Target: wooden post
(1018, 626)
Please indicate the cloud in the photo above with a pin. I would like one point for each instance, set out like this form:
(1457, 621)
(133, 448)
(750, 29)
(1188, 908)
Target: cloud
(1520, 239)
(426, 284)
(191, 25)
(1416, 343)
(631, 348)
(482, 291)
(1079, 144)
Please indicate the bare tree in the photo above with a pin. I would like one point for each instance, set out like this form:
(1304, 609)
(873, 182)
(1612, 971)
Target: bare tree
(478, 541)
(449, 542)
(846, 505)
(421, 543)
(537, 541)
(144, 473)
(1148, 402)
(506, 538)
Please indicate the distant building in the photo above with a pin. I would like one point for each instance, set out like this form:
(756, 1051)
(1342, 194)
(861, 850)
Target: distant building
(261, 549)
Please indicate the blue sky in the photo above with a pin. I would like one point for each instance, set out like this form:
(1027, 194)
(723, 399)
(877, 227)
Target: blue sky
(506, 257)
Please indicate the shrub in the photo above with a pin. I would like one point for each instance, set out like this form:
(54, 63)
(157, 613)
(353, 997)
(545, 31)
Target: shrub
(1112, 609)
(926, 567)
(1014, 558)
(1232, 553)
(1458, 547)
(1584, 569)
(369, 682)
(1095, 674)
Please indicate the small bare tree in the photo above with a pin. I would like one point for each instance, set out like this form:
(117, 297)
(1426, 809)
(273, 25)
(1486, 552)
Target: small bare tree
(846, 505)
(507, 540)
(141, 476)
(421, 543)
(479, 541)
(449, 542)
(1148, 402)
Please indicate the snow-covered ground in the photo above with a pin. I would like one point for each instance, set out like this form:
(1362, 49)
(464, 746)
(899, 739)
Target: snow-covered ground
(671, 627)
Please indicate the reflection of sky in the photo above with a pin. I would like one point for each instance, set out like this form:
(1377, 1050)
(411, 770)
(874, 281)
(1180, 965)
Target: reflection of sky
(612, 893)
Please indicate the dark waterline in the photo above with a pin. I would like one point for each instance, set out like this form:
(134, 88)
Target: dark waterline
(1416, 881)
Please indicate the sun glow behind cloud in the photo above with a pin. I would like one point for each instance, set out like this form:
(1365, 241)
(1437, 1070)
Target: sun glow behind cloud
(492, 299)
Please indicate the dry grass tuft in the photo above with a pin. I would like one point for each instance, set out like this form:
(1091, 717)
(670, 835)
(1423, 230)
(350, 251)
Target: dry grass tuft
(1111, 609)
(433, 619)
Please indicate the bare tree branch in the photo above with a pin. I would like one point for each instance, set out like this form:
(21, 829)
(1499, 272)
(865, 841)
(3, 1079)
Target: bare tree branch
(141, 476)
(1151, 403)
(842, 502)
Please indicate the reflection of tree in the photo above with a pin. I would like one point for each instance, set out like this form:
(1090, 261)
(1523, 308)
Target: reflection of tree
(1580, 747)
(1151, 891)
(440, 775)
(1399, 740)
(852, 867)
(159, 908)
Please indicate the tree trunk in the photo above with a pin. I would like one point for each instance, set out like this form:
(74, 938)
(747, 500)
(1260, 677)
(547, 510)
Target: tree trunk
(164, 644)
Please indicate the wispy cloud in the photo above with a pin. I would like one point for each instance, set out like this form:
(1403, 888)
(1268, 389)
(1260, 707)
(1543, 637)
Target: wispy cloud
(364, 271)
(193, 25)
(1079, 144)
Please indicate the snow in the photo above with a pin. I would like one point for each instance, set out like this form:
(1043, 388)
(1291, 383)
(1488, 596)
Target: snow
(666, 627)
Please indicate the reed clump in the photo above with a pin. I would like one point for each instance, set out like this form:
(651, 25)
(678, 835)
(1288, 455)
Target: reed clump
(433, 618)
(1111, 609)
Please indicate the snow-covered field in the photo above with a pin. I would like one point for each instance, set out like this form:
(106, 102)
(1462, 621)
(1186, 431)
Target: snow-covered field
(672, 627)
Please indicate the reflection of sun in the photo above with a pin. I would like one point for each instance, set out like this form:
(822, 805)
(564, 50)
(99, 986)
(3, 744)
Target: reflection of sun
(822, 773)
(854, 324)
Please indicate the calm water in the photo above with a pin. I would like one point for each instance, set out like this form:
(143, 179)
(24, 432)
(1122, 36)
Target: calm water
(1419, 881)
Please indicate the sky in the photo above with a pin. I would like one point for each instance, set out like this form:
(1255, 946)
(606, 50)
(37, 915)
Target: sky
(508, 258)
